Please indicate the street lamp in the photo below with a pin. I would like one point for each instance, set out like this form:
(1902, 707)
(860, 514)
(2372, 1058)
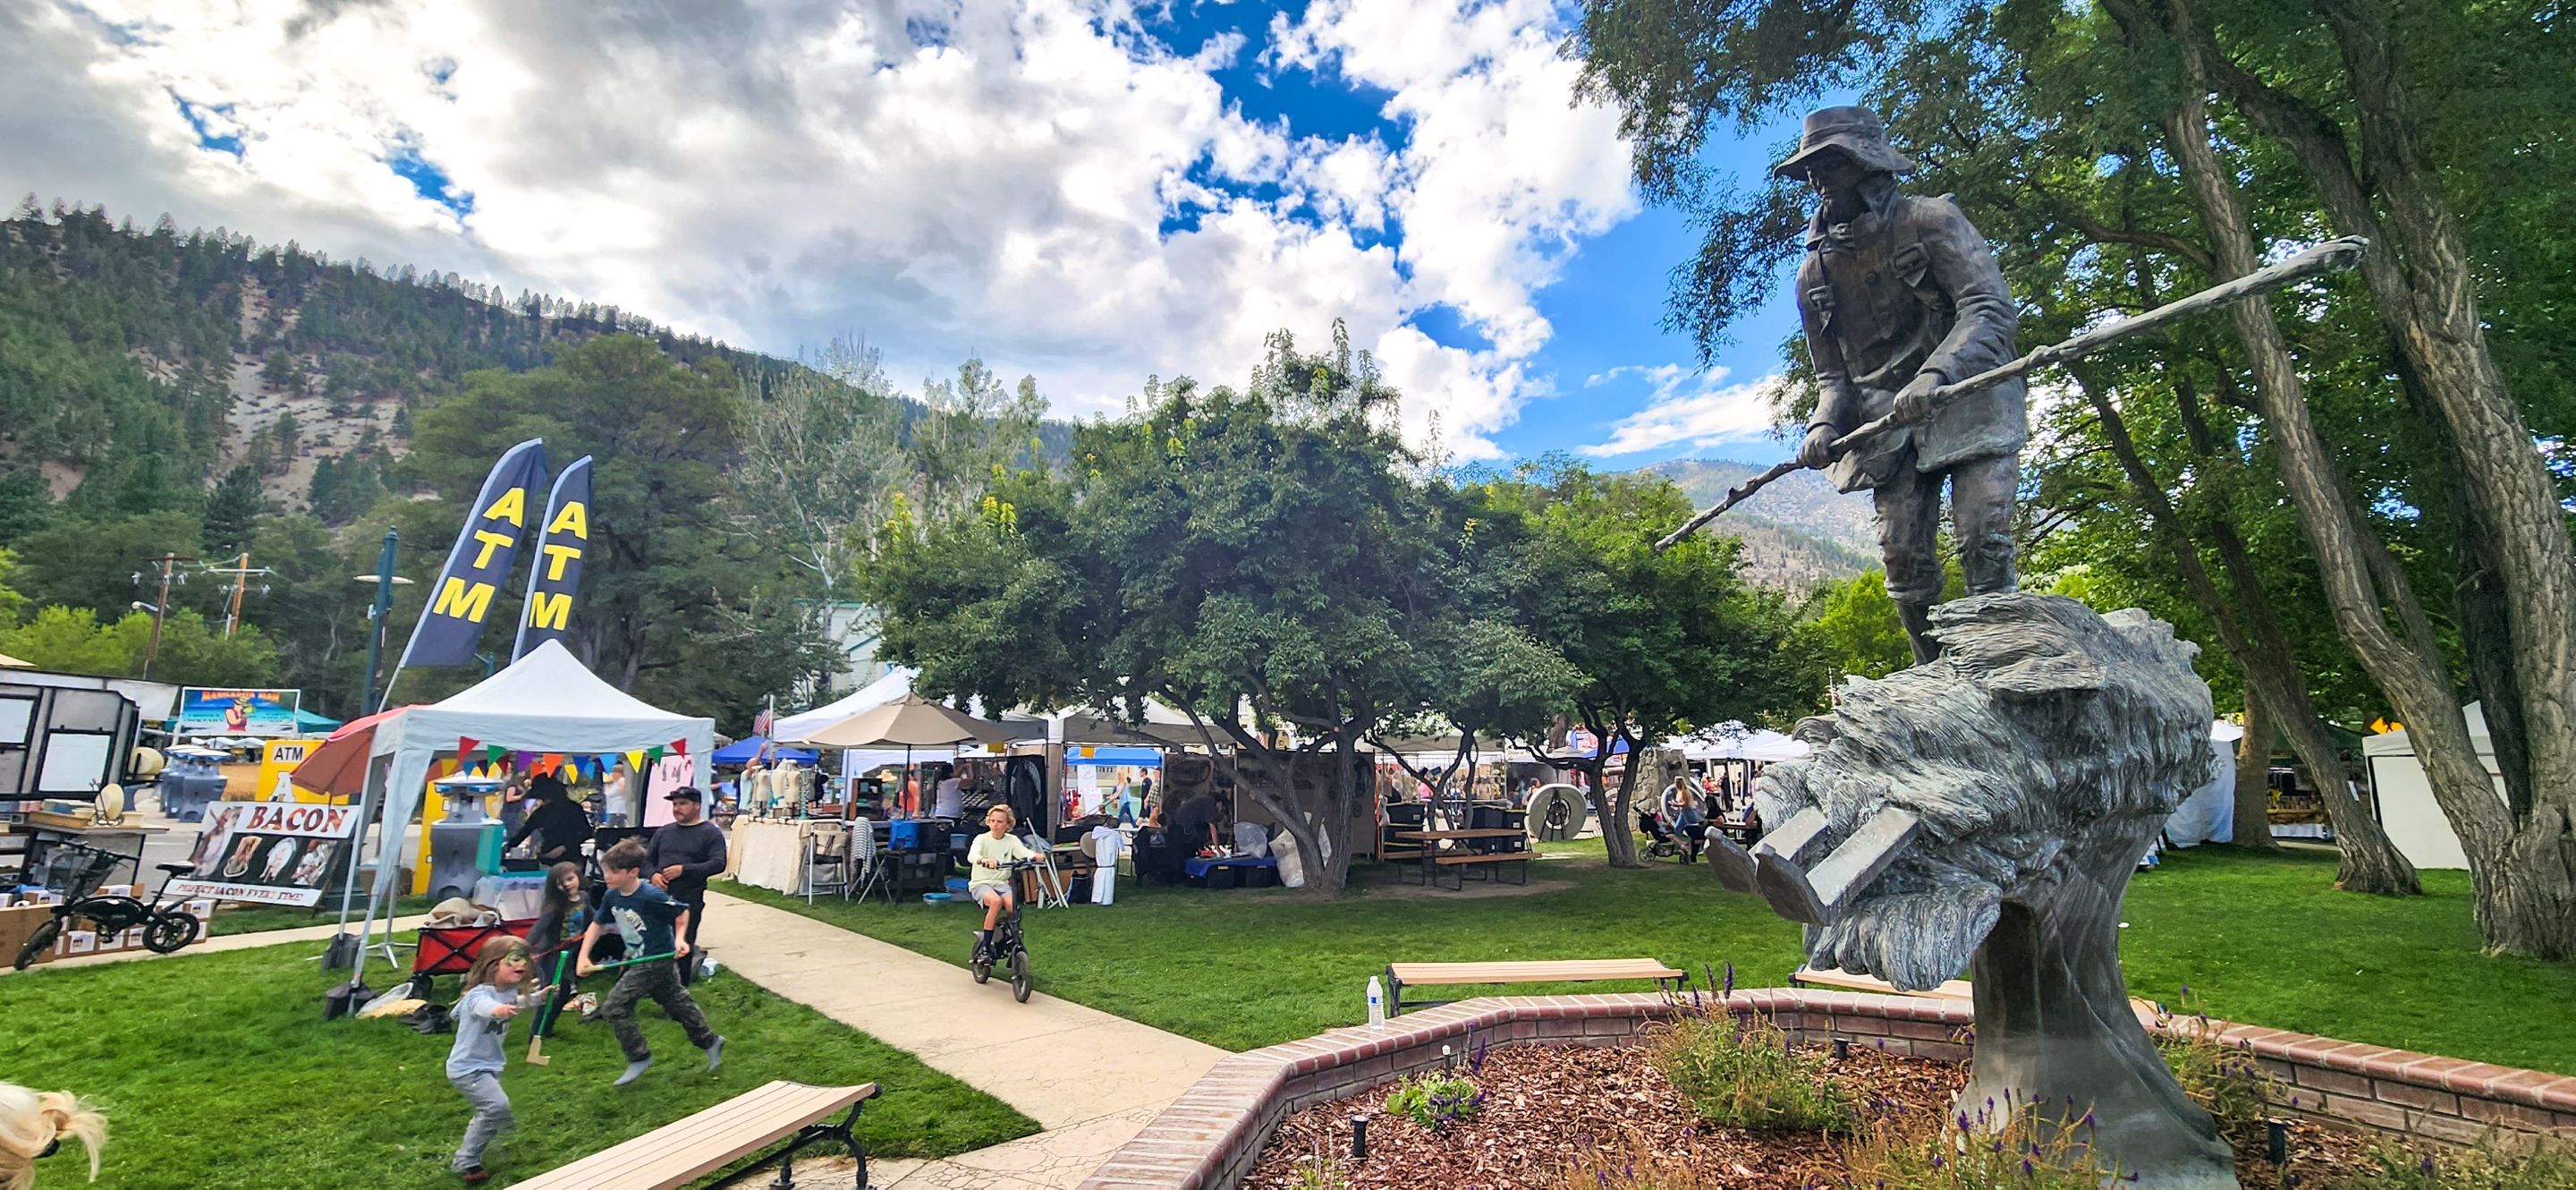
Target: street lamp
(385, 580)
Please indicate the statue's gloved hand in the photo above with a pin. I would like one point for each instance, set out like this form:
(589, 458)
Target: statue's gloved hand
(1818, 449)
(1914, 404)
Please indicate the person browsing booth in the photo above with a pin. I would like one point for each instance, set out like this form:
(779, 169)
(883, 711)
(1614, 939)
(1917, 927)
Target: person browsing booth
(990, 881)
(681, 858)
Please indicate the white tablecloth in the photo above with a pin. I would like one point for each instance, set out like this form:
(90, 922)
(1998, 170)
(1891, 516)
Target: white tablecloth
(771, 855)
(520, 896)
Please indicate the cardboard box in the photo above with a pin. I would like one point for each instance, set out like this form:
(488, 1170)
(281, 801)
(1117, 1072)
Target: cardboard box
(116, 890)
(16, 923)
(131, 939)
(80, 942)
(201, 908)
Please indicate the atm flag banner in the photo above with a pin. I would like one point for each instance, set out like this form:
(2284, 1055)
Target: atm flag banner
(452, 623)
(556, 573)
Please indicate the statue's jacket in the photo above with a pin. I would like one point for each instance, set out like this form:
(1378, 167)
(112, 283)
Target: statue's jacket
(1892, 293)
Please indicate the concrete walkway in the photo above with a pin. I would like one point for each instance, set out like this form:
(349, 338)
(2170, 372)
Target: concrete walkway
(1091, 1080)
(224, 942)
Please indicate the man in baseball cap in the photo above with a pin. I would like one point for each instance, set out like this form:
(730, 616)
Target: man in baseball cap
(681, 858)
(1899, 296)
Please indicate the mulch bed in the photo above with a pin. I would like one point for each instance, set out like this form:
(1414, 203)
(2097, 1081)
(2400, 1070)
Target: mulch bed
(1546, 1105)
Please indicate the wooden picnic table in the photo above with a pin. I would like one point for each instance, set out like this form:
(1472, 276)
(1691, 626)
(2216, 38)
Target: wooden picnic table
(1436, 836)
(1431, 858)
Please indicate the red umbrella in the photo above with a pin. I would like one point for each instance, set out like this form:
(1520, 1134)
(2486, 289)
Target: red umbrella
(339, 767)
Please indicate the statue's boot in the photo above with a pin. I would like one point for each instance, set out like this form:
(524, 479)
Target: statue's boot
(1917, 618)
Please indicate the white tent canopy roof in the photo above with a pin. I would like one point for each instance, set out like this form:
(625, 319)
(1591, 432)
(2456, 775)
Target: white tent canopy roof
(1735, 741)
(2395, 743)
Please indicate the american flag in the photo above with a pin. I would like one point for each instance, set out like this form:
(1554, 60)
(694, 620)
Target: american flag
(762, 722)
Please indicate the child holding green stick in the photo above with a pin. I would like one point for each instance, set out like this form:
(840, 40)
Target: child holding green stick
(494, 992)
(654, 926)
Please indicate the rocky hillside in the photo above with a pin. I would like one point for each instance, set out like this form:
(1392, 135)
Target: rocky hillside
(1797, 532)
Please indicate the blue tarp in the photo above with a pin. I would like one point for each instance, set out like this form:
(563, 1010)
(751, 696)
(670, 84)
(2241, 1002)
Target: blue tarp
(1148, 758)
(741, 751)
(307, 721)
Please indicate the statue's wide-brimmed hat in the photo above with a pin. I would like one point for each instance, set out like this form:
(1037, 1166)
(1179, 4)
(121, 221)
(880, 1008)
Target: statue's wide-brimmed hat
(1854, 130)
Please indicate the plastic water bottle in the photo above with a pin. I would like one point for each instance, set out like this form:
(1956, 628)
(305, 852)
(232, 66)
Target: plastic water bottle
(1377, 1003)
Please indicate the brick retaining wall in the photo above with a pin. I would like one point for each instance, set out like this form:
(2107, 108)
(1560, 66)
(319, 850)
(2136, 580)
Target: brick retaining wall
(1211, 1136)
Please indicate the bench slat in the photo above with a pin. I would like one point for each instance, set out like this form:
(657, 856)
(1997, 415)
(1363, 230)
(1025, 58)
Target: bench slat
(693, 1146)
(1486, 857)
(1563, 970)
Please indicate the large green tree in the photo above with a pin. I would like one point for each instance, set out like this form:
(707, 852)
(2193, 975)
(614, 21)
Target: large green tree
(667, 588)
(1660, 641)
(1265, 557)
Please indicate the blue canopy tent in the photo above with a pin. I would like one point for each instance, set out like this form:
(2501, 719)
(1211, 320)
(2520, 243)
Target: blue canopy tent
(312, 724)
(743, 750)
(1114, 757)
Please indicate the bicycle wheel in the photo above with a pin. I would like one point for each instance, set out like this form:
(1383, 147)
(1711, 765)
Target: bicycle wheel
(978, 965)
(40, 940)
(1020, 976)
(167, 932)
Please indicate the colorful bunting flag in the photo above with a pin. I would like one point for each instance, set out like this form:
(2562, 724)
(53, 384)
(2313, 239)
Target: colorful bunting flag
(465, 746)
(653, 754)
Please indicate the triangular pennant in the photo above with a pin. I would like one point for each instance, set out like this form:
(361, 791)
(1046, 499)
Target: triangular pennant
(680, 746)
(635, 762)
(653, 754)
(494, 754)
(523, 761)
(465, 746)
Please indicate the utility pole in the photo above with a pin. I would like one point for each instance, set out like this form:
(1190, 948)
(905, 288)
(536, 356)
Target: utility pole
(241, 570)
(160, 608)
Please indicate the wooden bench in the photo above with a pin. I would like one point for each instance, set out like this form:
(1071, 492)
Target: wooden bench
(685, 1150)
(1461, 862)
(1401, 975)
(1809, 977)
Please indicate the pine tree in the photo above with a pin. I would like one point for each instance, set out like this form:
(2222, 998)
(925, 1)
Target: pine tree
(233, 510)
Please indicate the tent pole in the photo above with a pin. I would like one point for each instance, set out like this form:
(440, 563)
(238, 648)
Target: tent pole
(357, 856)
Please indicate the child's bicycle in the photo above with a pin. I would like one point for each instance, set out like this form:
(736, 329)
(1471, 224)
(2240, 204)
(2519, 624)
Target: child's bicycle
(165, 928)
(1010, 946)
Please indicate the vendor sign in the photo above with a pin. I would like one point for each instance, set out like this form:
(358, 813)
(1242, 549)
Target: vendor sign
(204, 711)
(270, 853)
(461, 600)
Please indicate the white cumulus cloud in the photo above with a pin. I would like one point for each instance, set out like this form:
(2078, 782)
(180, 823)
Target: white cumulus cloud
(1688, 409)
(1043, 182)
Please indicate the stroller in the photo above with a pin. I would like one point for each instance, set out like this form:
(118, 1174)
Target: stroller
(1666, 842)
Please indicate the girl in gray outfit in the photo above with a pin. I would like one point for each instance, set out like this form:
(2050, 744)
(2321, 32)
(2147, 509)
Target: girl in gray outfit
(494, 992)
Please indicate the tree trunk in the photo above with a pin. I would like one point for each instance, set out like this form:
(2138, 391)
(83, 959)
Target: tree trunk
(1618, 827)
(2254, 777)
(2252, 632)
(2364, 591)
(2419, 275)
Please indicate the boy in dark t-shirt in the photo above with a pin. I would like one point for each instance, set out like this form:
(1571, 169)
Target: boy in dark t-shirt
(654, 927)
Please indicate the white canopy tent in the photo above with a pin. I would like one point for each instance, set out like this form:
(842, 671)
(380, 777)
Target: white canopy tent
(2407, 811)
(544, 702)
(1735, 741)
(895, 683)
(2208, 814)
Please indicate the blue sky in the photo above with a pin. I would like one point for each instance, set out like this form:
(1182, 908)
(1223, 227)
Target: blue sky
(1088, 191)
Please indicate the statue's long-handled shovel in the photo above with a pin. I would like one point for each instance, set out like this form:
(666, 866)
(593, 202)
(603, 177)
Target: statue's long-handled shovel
(2332, 256)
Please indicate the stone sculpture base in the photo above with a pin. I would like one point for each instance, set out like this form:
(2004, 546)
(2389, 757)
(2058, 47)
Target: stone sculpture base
(2055, 1029)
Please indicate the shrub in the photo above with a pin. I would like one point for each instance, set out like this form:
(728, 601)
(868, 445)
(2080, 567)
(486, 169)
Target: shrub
(2027, 1153)
(2228, 1083)
(1741, 1071)
(1434, 1101)
(2486, 1167)
(1320, 1171)
(1635, 1169)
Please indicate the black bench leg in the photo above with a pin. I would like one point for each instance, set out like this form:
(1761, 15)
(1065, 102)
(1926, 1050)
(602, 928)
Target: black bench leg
(1394, 995)
(840, 1132)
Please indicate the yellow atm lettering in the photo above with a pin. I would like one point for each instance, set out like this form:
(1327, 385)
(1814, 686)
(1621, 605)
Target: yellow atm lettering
(511, 507)
(491, 541)
(464, 602)
(571, 516)
(547, 609)
(556, 558)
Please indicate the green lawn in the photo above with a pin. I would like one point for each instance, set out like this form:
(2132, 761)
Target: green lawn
(218, 1070)
(251, 919)
(2258, 938)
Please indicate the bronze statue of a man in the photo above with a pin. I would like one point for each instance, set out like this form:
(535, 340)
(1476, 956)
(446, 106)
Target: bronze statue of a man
(1899, 295)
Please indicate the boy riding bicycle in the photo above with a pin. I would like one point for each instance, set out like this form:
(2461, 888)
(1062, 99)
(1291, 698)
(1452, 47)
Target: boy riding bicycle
(989, 883)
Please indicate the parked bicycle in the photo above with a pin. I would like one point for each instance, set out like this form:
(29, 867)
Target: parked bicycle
(1009, 947)
(166, 928)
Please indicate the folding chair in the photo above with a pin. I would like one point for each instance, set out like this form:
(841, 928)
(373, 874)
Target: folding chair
(870, 863)
(1051, 883)
(827, 866)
